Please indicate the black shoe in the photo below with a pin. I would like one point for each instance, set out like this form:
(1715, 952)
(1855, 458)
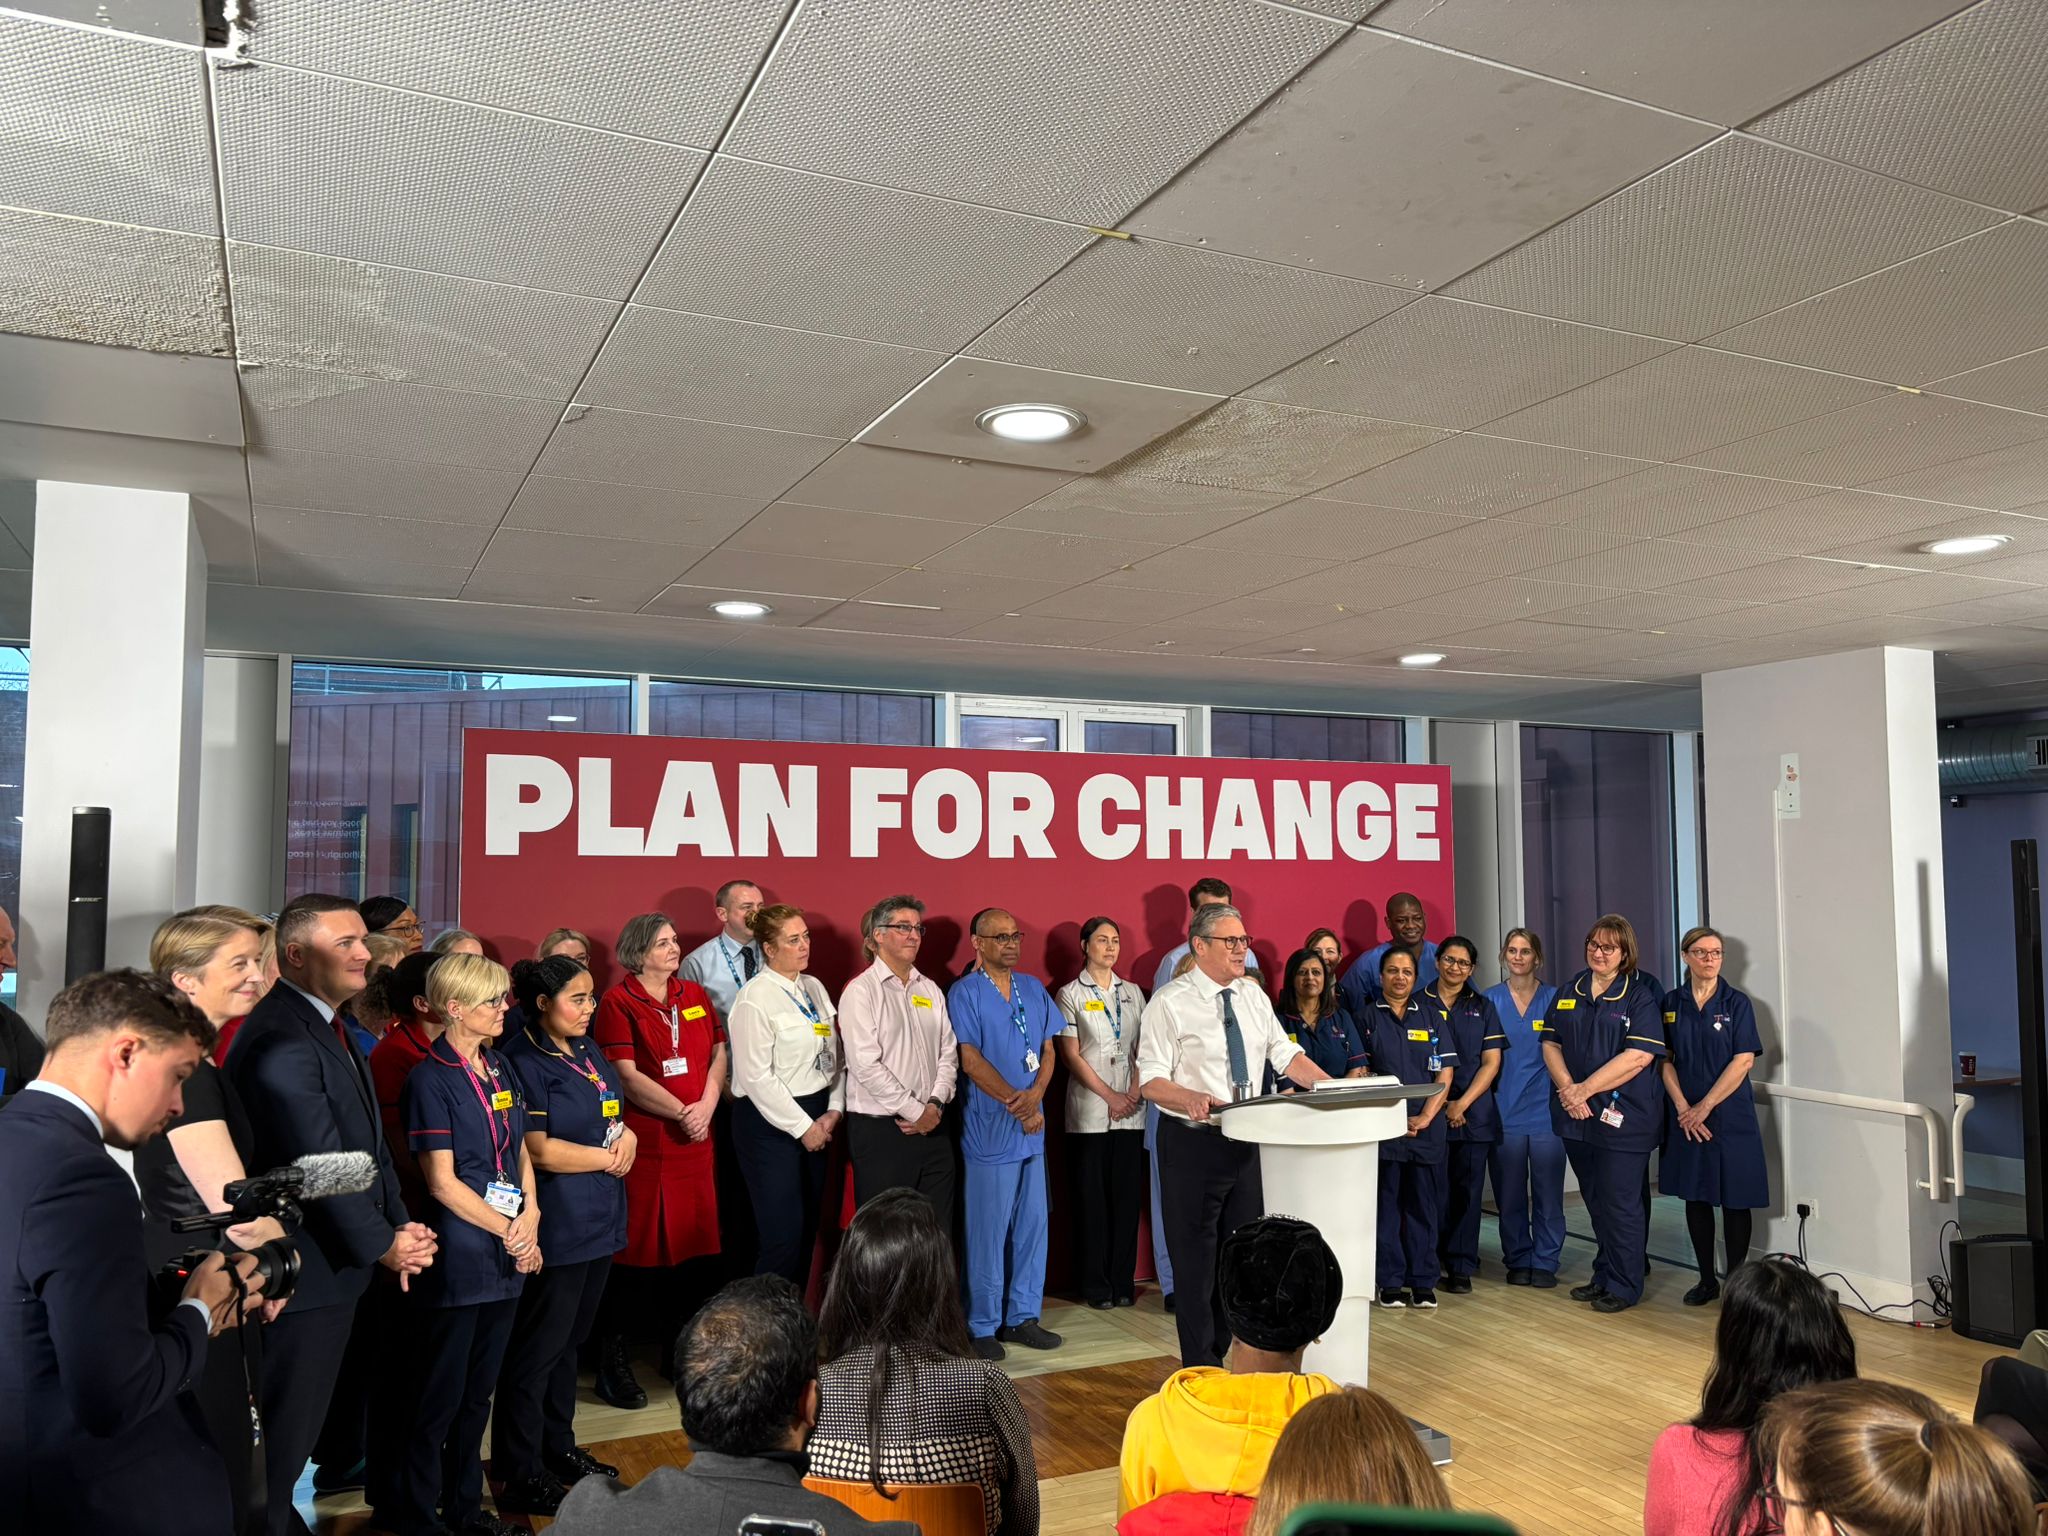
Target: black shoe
(615, 1380)
(988, 1348)
(1125, 1301)
(540, 1495)
(576, 1463)
(1542, 1279)
(1103, 1305)
(1167, 1301)
(1606, 1303)
(1518, 1277)
(1590, 1291)
(1393, 1296)
(337, 1479)
(1030, 1335)
(1701, 1294)
(1458, 1285)
(484, 1523)
(1421, 1296)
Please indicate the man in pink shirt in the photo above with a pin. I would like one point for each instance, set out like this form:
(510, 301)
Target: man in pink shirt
(901, 1063)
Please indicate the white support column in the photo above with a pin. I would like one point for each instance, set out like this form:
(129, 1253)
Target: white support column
(1415, 738)
(118, 625)
(1688, 886)
(237, 848)
(1507, 784)
(643, 696)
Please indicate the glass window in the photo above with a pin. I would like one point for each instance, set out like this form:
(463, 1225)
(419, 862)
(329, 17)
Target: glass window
(1138, 737)
(1010, 733)
(1311, 738)
(13, 757)
(376, 769)
(741, 711)
(1597, 838)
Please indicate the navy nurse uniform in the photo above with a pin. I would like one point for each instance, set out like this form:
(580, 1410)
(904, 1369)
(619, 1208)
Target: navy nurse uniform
(572, 1095)
(1333, 1043)
(1473, 1027)
(1610, 1150)
(1411, 1046)
(1527, 1163)
(1360, 986)
(1728, 1171)
(471, 1293)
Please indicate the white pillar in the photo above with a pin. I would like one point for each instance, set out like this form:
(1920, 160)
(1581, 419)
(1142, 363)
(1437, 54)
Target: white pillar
(240, 846)
(117, 625)
(1833, 924)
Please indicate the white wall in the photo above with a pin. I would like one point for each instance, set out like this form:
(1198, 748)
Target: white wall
(1469, 748)
(241, 772)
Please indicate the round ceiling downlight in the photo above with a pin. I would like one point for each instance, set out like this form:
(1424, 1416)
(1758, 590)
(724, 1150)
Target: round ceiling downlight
(1967, 544)
(1031, 422)
(1422, 658)
(735, 608)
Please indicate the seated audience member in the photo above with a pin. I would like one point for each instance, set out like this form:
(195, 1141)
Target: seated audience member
(1351, 1447)
(1869, 1458)
(1195, 1452)
(2012, 1403)
(457, 941)
(748, 1382)
(393, 915)
(904, 1400)
(1779, 1329)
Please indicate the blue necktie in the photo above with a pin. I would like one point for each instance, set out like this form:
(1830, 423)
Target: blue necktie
(1233, 1041)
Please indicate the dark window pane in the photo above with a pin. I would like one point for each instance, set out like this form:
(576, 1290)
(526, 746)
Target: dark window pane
(1311, 738)
(1010, 733)
(13, 760)
(743, 712)
(1140, 738)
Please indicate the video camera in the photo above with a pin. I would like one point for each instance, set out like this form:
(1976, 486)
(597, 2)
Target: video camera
(281, 1194)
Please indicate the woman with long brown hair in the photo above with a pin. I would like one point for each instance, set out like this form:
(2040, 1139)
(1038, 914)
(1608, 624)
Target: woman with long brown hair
(1348, 1447)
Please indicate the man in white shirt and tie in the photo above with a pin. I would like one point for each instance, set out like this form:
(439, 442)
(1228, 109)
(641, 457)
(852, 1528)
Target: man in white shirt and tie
(730, 958)
(1204, 1041)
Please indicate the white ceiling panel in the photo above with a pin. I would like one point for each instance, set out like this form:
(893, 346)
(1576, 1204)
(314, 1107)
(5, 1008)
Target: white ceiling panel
(104, 127)
(412, 327)
(1182, 317)
(1491, 548)
(1126, 605)
(1255, 445)
(1496, 602)
(1467, 159)
(338, 413)
(1333, 530)
(338, 482)
(1856, 523)
(957, 490)
(1218, 573)
(172, 20)
(1790, 581)
(1039, 106)
(1636, 611)
(758, 242)
(1869, 443)
(1132, 507)
(1967, 304)
(351, 170)
(1357, 586)
(1961, 107)
(1652, 563)
(628, 511)
(1677, 253)
(1020, 629)
(1664, 500)
(834, 533)
(363, 540)
(1067, 557)
(2015, 476)
(1725, 62)
(643, 67)
(569, 564)
(1475, 476)
(956, 592)
(2018, 382)
(786, 611)
(777, 571)
(751, 375)
(112, 285)
(714, 458)
(372, 573)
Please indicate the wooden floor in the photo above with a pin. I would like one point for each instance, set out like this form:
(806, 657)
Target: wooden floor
(1551, 1408)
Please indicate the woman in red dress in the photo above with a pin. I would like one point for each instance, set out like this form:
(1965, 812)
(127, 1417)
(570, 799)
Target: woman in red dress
(668, 1045)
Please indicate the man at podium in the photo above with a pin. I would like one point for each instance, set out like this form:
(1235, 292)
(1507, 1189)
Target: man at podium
(1201, 1036)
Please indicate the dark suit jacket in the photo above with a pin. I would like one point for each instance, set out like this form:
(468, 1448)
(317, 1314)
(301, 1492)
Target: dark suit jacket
(712, 1495)
(97, 1431)
(305, 1091)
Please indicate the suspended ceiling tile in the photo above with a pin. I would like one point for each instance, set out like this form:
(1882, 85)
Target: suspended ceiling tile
(1214, 572)
(628, 511)
(1132, 507)
(866, 616)
(2015, 476)
(779, 571)
(1868, 443)
(1652, 563)
(172, 20)
(1162, 644)
(834, 533)
(635, 66)
(1725, 62)
(994, 552)
(338, 413)
(1527, 637)
(1639, 611)
(1682, 403)
(1962, 107)
(1466, 160)
(1677, 253)
(2002, 603)
(377, 577)
(1476, 476)
(100, 126)
(959, 490)
(786, 610)
(1038, 106)
(1789, 581)
(1969, 303)
(964, 593)
(751, 375)
(1664, 500)
(1821, 524)
(1264, 614)
(2019, 382)
(1454, 365)
(1255, 445)
(365, 539)
(758, 242)
(1492, 548)
(562, 559)
(1126, 605)
(77, 280)
(1333, 530)
(1359, 586)
(1496, 602)
(939, 415)
(715, 458)
(412, 327)
(1888, 544)
(1022, 629)
(2017, 563)
(1182, 317)
(368, 174)
(337, 482)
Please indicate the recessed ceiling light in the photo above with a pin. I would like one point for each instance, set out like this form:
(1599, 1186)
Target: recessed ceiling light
(1422, 658)
(1031, 422)
(587, 599)
(561, 719)
(736, 608)
(1030, 741)
(1968, 544)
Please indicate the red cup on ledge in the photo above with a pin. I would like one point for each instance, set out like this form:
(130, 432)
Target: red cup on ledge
(1967, 1060)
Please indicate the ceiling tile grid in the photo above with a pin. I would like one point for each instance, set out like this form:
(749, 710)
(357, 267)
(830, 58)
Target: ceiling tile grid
(1664, 501)
(112, 285)
(1474, 475)
(1866, 444)
(866, 479)
(718, 458)
(2019, 383)
(1334, 530)
(556, 505)
(339, 413)
(1253, 445)
(1150, 511)
(338, 482)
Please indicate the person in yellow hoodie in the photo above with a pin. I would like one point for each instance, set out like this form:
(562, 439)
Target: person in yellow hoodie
(1195, 1453)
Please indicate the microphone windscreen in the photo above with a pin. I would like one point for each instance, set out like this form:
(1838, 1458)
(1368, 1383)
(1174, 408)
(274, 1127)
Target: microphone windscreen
(335, 1173)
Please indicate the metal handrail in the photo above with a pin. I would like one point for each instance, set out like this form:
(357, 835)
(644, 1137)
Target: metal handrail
(1929, 1118)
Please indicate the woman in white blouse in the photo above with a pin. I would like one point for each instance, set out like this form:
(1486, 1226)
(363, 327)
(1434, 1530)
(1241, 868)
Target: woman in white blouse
(1105, 1118)
(789, 1087)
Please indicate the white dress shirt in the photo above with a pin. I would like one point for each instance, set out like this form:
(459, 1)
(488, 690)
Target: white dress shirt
(1181, 1038)
(1092, 1023)
(776, 1049)
(716, 966)
(900, 1050)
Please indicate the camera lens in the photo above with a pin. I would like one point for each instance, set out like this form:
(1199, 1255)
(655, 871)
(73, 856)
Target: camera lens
(277, 1261)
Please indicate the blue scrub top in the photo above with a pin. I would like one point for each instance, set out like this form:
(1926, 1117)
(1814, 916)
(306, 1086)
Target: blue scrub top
(1629, 1017)
(1702, 1042)
(1003, 1030)
(1361, 984)
(1474, 1028)
(584, 1213)
(1413, 1047)
(1522, 1091)
(443, 1113)
(1335, 1044)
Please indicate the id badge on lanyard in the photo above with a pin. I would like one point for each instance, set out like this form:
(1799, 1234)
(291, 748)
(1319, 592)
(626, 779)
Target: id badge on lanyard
(675, 1064)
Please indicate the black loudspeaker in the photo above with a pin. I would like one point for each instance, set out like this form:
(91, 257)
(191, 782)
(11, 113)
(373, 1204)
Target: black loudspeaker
(85, 924)
(1994, 1279)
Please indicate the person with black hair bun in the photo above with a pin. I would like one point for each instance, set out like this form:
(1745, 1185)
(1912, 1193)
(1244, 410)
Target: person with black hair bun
(1472, 1024)
(393, 915)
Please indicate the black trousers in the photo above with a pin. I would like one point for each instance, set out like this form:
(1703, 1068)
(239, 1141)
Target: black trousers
(535, 1408)
(885, 1158)
(302, 1354)
(785, 1185)
(395, 1319)
(460, 1350)
(1457, 1237)
(1209, 1186)
(233, 1360)
(341, 1442)
(1109, 1172)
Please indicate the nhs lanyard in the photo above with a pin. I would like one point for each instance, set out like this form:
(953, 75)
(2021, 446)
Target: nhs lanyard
(725, 953)
(579, 1065)
(496, 1119)
(1116, 1018)
(1015, 1004)
(802, 998)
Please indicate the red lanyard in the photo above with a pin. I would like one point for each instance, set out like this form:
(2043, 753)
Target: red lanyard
(491, 1116)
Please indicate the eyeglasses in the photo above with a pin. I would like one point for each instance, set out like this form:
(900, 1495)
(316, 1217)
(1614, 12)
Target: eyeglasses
(915, 930)
(1232, 944)
(1447, 962)
(1699, 953)
(1775, 1504)
(1602, 949)
(1001, 938)
(410, 926)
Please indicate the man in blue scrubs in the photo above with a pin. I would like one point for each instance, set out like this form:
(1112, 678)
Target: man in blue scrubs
(1005, 1023)
(1360, 988)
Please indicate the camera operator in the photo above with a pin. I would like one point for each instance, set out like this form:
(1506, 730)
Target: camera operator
(97, 1433)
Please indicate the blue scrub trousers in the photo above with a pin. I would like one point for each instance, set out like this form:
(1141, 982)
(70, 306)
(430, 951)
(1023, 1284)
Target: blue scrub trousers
(1162, 1265)
(1006, 1221)
(1528, 1186)
(1612, 1183)
(1464, 1192)
(1411, 1195)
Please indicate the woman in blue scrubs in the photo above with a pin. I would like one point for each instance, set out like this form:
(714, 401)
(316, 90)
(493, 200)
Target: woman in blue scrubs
(1403, 1040)
(1601, 1040)
(1713, 1150)
(1316, 1021)
(1468, 1020)
(1527, 1163)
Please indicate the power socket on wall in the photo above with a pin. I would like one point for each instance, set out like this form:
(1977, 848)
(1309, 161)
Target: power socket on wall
(1806, 1208)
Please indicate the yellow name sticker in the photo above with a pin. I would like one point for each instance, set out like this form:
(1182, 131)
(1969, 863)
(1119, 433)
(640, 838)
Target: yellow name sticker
(1670, 1018)
(822, 1029)
(1419, 1035)
(693, 1013)
(1093, 1006)
(1566, 1002)
(920, 1002)
(609, 1108)
(502, 1099)
(1537, 1027)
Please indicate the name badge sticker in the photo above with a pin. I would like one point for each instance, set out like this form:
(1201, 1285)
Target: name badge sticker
(693, 1013)
(1419, 1035)
(1567, 1002)
(1672, 1018)
(502, 1099)
(1093, 1005)
(609, 1108)
(920, 1002)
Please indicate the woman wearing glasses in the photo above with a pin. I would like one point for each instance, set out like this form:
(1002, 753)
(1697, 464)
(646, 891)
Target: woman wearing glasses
(1713, 1150)
(1405, 1039)
(1468, 1020)
(1105, 1118)
(1601, 1039)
